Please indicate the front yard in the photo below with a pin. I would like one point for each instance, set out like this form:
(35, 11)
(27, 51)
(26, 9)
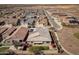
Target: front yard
(38, 49)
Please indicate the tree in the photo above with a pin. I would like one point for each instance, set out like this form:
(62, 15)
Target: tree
(2, 23)
(18, 22)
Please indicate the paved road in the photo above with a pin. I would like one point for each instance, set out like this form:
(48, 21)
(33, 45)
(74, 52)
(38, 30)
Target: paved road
(52, 21)
(56, 26)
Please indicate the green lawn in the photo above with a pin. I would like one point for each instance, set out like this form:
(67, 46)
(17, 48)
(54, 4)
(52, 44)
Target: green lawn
(2, 49)
(38, 48)
(76, 35)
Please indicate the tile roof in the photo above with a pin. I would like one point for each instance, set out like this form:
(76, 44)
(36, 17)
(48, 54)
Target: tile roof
(8, 32)
(20, 34)
(3, 29)
(41, 34)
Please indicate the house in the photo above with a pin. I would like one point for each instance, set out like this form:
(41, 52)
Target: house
(8, 32)
(19, 36)
(2, 30)
(71, 21)
(39, 36)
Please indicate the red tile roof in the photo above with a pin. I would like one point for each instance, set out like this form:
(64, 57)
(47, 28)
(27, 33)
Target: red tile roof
(20, 34)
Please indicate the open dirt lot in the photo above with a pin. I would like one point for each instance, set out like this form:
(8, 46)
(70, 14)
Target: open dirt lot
(68, 40)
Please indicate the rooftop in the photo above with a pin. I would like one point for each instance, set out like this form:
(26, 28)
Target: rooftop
(3, 29)
(9, 31)
(39, 34)
(20, 34)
